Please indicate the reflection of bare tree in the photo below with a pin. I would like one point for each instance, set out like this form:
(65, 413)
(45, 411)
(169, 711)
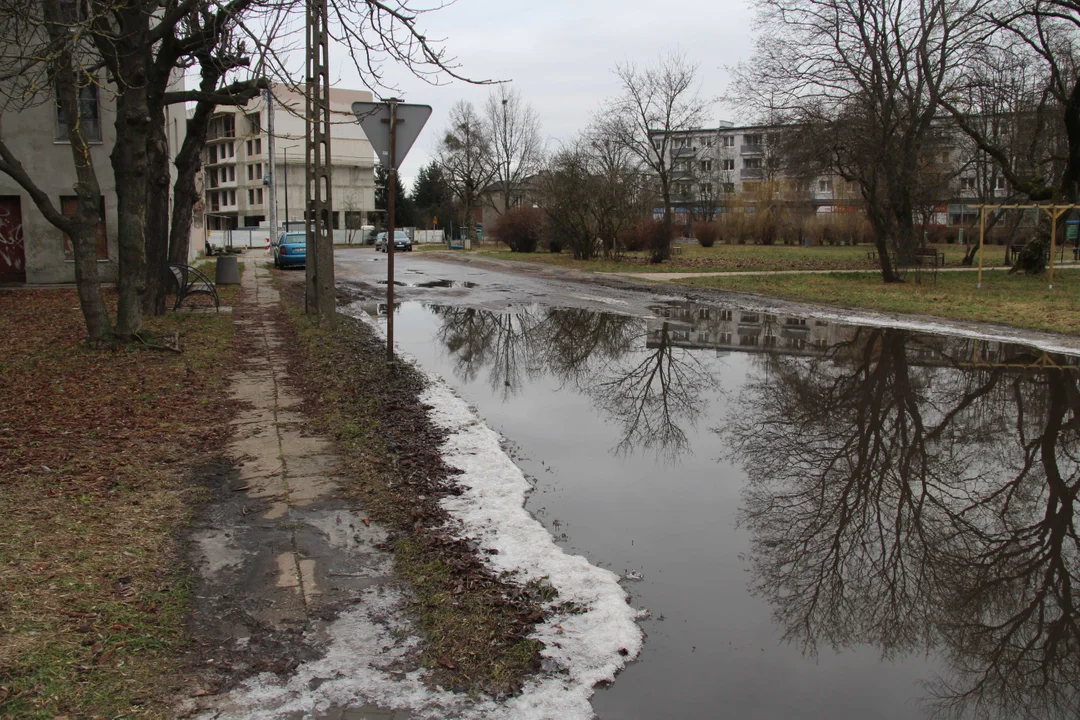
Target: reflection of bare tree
(651, 393)
(504, 343)
(884, 512)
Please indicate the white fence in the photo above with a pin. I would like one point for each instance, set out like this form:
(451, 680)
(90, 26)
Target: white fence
(257, 237)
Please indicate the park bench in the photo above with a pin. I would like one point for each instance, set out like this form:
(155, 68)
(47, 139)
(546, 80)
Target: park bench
(189, 282)
(676, 249)
(934, 256)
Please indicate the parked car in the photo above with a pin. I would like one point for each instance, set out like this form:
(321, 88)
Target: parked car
(290, 250)
(401, 241)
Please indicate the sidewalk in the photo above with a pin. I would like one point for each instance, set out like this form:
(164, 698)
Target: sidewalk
(279, 551)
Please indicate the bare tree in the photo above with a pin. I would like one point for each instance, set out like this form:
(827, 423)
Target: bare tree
(861, 77)
(516, 146)
(466, 160)
(39, 52)
(655, 104)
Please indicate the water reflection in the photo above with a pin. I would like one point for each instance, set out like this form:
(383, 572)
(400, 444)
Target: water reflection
(918, 494)
(652, 393)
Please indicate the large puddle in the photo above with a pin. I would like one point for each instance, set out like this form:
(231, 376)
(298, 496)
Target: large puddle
(828, 521)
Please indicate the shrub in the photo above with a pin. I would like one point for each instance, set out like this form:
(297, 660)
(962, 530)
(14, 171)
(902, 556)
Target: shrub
(520, 228)
(637, 237)
(707, 233)
(554, 245)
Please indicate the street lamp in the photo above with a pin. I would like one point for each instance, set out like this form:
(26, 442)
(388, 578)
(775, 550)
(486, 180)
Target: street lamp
(286, 150)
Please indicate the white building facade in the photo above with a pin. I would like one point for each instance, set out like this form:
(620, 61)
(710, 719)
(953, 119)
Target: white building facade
(239, 184)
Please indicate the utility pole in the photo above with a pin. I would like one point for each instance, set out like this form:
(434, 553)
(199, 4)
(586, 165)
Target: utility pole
(273, 161)
(319, 297)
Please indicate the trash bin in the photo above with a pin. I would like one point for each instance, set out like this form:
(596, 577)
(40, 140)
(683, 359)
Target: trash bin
(227, 271)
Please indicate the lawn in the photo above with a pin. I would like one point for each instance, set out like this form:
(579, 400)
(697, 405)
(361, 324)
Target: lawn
(97, 449)
(733, 258)
(1016, 300)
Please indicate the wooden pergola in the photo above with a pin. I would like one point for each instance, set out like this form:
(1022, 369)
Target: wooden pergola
(1054, 211)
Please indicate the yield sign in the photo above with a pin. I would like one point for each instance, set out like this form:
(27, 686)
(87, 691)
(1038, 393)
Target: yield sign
(375, 120)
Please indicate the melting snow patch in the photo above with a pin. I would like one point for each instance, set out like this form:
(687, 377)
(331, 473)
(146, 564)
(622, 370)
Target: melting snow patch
(590, 646)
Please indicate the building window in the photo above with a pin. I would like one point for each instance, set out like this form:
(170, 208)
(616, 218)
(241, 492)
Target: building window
(729, 187)
(706, 166)
(258, 146)
(729, 141)
(258, 171)
(336, 224)
(753, 140)
(232, 173)
(709, 142)
(728, 164)
(967, 183)
(212, 178)
(89, 115)
(752, 163)
(69, 207)
(824, 185)
(251, 196)
(945, 156)
(250, 148)
(232, 198)
(999, 183)
(255, 122)
(706, 190)
(259, 197)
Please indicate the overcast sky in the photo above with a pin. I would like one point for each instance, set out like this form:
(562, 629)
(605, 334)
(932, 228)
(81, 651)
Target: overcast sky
(559, 54)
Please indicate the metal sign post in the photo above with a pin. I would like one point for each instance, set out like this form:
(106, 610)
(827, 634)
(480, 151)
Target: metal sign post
(391, 127)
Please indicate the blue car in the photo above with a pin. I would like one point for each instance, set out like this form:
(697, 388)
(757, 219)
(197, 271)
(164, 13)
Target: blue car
(290, 250)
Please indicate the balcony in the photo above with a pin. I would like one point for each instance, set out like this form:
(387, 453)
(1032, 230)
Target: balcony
(683, 152)
(751, 173)
(757, 149)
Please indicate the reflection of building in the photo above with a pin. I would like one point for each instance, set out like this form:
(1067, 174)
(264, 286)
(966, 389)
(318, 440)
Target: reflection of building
(733, 330)
(720, 329)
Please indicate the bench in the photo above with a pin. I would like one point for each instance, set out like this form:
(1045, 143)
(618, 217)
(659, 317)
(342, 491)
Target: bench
(938, 258)
(676, 249)
(189, 282)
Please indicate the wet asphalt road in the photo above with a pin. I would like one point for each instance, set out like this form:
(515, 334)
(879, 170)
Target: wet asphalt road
(718, 483)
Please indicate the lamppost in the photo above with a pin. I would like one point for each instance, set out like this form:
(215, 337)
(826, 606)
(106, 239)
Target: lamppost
(286, 150)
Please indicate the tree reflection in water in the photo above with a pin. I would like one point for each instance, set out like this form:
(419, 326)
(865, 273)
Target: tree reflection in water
(650, 392)
(900, 499)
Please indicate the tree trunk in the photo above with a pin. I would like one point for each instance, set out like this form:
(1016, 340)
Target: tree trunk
(661, 249)
(185, 194)
(82, 229)
(129, 161)
(157, 212)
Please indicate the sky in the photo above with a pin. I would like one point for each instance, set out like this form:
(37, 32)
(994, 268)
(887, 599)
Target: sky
(560, 54)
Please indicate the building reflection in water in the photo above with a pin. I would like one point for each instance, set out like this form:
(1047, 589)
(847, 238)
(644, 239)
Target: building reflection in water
(910, 492)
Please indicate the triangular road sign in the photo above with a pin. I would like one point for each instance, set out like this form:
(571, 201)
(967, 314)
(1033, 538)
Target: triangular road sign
(374, 118)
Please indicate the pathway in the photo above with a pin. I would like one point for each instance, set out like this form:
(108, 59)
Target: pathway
(280, 552)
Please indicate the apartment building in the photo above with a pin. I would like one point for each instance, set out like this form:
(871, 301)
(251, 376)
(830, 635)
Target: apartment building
(32, 250)
(237, 184)
(716, 168)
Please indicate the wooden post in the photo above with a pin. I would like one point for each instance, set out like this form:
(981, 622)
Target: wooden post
(1054, 215)
(982, 239)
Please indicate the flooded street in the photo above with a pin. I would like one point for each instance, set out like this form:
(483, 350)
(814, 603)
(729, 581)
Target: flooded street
(823, 520)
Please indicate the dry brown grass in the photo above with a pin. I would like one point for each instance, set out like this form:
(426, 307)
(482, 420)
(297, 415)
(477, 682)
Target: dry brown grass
(96, 453)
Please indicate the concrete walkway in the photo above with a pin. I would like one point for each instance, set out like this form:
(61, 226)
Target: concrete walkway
(280, 552)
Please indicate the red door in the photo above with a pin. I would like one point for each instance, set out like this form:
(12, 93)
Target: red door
(12, 252)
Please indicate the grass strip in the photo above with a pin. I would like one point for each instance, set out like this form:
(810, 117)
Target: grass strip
(1020, 301)
(475, 624)
(729, 258)
(96, 455)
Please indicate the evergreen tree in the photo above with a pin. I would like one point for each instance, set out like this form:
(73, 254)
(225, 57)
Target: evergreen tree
(432, 197)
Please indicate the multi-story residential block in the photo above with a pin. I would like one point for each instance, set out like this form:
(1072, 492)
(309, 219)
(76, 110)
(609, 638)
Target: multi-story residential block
(237, 185)
(716, 168)
(32, 250)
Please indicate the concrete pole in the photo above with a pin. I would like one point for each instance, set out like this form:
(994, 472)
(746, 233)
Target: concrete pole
(982, 240)
(273, 163)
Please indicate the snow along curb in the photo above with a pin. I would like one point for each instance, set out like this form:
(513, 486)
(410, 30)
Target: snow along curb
(590, 646)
